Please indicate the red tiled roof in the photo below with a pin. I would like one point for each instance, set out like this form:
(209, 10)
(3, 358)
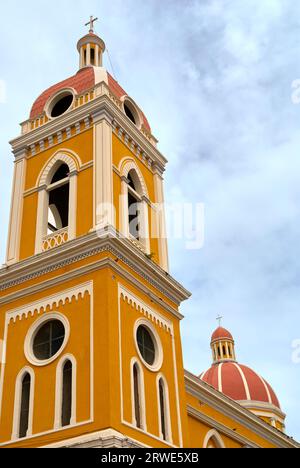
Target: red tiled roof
(220, 333)
(239, 382)
(82, 81)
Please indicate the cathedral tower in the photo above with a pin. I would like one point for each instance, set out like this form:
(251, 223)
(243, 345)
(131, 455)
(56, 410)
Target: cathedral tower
(89, 313)
(90, 341)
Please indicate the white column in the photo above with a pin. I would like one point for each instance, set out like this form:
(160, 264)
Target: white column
(14, 233)
(145, 225)
(104, 214)
(88, 55)
(221, 348)
(161, 222)
(227, 349)
(42, 219)
(124, 208)
(72, 206)
(81, 58)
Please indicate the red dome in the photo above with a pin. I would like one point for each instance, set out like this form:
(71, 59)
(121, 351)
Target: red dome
(220, 333)
(239, 383)
(83, 80)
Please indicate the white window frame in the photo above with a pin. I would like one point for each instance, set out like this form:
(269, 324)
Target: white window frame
(59, 391)
(215, 436)
(18, 401)
(135, 362)
(159, 355)
(44, 188)
(127, 167)
(159, 378)
(28, 345)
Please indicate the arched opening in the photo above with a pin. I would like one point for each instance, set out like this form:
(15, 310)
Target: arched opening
(134, 205)
(59, 193)
(25, 406)
(66, 410)
(57, 202)
(134, 213)
(129, 113)
(92, 56)
(137, 396)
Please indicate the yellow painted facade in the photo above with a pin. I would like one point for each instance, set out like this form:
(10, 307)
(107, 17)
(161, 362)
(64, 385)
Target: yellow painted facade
(104, 285)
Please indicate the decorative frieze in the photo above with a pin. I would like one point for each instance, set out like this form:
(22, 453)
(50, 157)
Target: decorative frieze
(68, 132)
(145, 310)
(59, 137)
(50, 302)
(134, 147)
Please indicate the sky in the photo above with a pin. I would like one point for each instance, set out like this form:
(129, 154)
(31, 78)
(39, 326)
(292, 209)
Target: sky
(214, 78)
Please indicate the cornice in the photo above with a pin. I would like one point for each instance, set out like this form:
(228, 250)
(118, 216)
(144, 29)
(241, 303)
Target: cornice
(87, 269)
(220, 402)
(260, 405)
(88, 246)
(101, 103)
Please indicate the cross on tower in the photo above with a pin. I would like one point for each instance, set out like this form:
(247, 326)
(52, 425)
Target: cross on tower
(219, 318)
(91, 23)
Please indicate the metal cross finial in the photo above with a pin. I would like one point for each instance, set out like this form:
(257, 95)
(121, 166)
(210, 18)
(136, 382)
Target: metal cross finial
(91, 23)
(219, 318)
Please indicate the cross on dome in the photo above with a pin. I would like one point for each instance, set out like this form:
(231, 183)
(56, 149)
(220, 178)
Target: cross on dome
(91, 23)
(219, 319)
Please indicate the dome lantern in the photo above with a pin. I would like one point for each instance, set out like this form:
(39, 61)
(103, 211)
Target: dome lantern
(222, 345)
(91, 48)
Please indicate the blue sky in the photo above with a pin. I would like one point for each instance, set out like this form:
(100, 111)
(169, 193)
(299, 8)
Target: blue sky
(214, 79)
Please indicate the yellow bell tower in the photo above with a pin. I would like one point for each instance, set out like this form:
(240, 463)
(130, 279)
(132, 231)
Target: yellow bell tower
(90, 341)
(89, 315)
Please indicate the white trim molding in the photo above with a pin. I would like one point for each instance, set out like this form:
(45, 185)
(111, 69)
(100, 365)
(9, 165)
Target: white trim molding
(161, 228)
(166, 409)
(126, 166)
(63, 155)
(59, 391)
(142, 400)
(17, 402)
(159, 353)
(16, 212)
(43, 183)
(55, 98)
(215, 436)
(34, 329)
(103, 171)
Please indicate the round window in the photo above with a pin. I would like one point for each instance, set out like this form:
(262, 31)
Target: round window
(60, 104)
(146, 345)
(48, 340)
(131, 111)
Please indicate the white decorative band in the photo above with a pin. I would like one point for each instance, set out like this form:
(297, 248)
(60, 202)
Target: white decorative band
(144, 309)
(50, 302)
